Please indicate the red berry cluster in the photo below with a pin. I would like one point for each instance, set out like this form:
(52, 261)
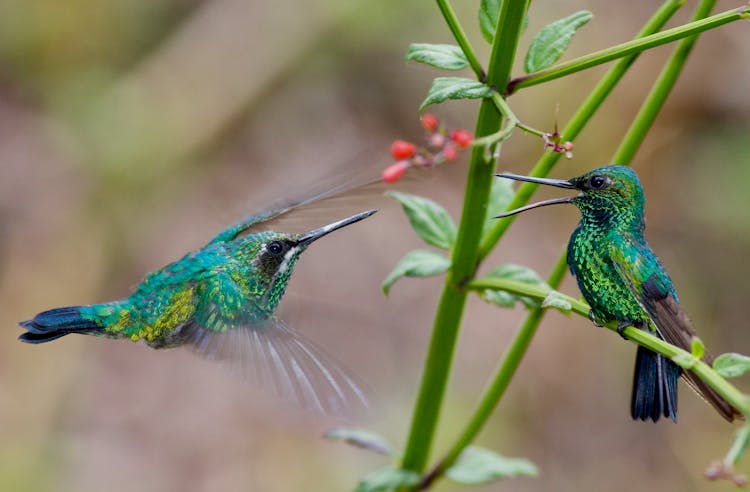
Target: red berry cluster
(441, 146)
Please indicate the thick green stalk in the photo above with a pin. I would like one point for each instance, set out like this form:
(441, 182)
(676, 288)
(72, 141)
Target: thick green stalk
(581, 117)
(636, 46)
(734, 396)
(464, 257)
(458, 32)
(659, 92)
(518, 346)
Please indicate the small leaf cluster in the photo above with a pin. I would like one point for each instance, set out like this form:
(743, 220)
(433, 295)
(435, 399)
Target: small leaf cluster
(548, 45)
(475, 466)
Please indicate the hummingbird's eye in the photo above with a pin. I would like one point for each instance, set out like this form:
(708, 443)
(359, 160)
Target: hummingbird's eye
(598, 182)
(275, 247)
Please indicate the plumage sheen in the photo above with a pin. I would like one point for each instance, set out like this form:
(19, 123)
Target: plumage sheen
(221, 301)
(623, 280)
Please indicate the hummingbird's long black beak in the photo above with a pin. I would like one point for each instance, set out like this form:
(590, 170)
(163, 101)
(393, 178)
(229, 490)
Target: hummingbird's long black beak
(313, 235)
(560, 183)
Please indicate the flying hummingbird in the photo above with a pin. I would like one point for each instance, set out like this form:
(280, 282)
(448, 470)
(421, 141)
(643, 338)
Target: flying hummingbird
(221, 300)
(623, 280)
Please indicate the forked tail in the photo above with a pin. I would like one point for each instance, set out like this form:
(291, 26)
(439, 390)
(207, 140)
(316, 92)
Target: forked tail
(55, 323)
(654, 386)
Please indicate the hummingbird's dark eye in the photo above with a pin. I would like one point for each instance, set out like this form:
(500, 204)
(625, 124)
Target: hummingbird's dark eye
(598, 182)
(275, 247)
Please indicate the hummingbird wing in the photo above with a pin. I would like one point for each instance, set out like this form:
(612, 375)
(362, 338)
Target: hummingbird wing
(334, 184)
(279, 358)
(648, 282)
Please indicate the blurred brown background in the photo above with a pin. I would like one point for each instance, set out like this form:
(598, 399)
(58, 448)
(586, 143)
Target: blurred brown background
(131, 131)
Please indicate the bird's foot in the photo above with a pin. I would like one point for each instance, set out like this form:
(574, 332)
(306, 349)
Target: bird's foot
(593, 319)
(621, 328)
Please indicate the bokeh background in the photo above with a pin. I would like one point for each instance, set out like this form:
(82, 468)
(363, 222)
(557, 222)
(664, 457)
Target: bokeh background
(131, 131)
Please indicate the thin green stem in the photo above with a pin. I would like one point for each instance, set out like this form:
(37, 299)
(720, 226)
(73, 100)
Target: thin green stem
(734, 396)
(659, 92)
(579, 120)
(625, 49)
(464, 257)
(458, 32)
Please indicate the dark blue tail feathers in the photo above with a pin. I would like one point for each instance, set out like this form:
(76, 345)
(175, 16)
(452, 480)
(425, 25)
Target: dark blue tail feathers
(654, 386)
(55, 323)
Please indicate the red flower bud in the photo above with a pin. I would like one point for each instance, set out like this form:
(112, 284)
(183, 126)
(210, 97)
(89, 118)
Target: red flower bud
(401, 149)
(462, 138)
(393, 173)
(430, 122)
(449, 152)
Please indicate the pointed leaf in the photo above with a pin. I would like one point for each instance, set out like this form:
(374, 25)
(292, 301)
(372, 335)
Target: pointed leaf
(361, 438)
(479, 466)
(552, 41)
(417, 263)
(513, 272)
(501, 194)
(444, 88)
(387, 478)
(446, 56)
(558, 301)
(489, 13)
(429, 220)
(697, 348)
(731, 365)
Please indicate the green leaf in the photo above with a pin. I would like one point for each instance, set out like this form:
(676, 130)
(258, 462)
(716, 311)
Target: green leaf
(489, 12)
(444, 88)
(417, 263)
(558, 301)
(552, 41)
(501, 194)
(429, 220)
(697, 348)
(387, 478)
(686, 361)
(731, 365)
(513, 272)
(446, 56)
(479, 466)
(361, 438)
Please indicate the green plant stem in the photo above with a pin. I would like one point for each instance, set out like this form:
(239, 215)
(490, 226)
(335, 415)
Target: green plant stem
(518, 346)
(701, 369)
(463, 260)
(510, 361)
(458, 33)
(624, 49)
(579, 120)
(659, 92)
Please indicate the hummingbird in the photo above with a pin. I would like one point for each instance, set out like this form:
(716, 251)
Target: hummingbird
(221, 301)
(625, 282)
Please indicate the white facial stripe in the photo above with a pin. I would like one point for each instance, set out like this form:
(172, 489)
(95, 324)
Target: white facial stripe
(287, 257)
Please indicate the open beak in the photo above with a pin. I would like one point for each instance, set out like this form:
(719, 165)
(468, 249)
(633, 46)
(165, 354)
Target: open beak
(560, 183)
(313, 235)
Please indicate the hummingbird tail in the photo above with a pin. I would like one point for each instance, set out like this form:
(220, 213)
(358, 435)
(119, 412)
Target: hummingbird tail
(654, 386)
(55, 323)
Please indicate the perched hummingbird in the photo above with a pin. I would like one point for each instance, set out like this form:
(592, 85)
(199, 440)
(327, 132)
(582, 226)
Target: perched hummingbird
(221, 300)
(623, 280)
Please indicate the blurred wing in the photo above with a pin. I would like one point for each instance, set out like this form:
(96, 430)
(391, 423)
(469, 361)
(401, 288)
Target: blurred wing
(649, 284)
(280, 359)
(333, 185)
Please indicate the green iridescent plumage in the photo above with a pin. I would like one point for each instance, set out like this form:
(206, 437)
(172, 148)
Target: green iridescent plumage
(623, 280)
(221, 300)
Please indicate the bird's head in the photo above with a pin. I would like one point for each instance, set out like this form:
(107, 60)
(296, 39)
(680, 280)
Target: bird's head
(274, 255)
(608, 196)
